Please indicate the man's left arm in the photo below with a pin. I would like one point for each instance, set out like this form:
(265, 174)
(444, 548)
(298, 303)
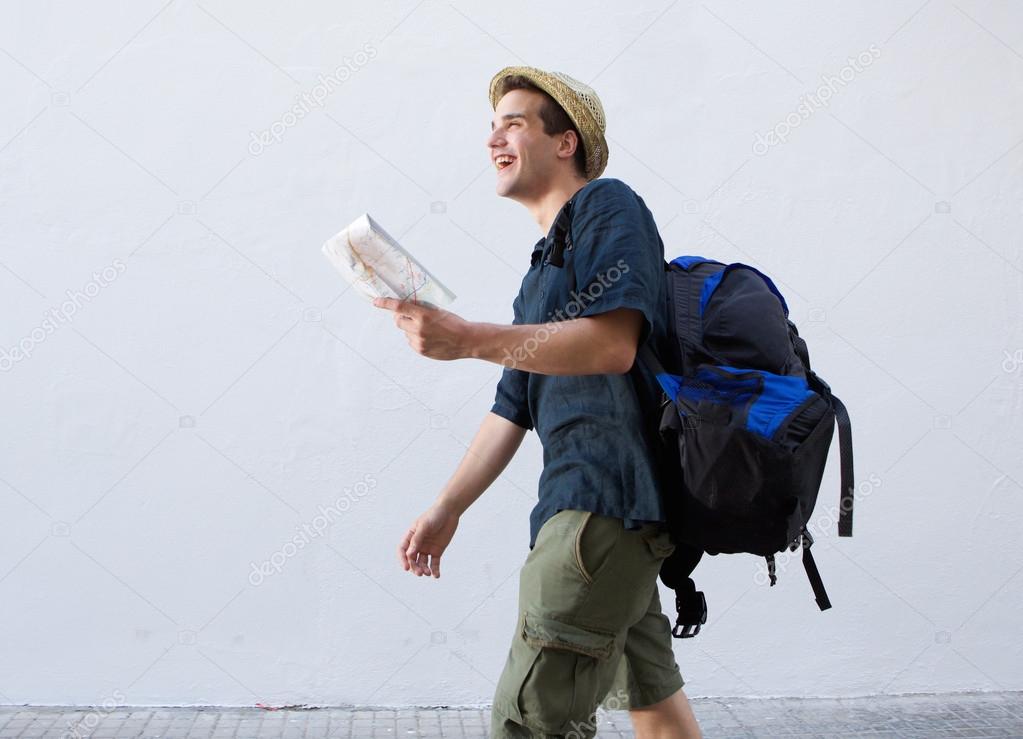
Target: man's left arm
(599, 344)
(618, 250)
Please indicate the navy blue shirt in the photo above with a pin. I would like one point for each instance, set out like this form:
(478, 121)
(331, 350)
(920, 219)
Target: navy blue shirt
(595, 430)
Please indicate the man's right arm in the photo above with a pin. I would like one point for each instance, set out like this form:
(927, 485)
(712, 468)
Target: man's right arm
(495, 443)
(488, 454)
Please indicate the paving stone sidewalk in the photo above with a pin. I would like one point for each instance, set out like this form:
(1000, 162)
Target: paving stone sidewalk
(930, 717)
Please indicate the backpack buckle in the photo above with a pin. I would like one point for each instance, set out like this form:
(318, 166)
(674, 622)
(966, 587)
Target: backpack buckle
(806, 543)
(691, 616)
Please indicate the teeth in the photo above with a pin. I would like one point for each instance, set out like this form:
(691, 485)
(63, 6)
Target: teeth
(503, 161)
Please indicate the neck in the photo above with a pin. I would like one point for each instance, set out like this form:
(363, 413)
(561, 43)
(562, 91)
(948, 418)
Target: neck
(545, 207)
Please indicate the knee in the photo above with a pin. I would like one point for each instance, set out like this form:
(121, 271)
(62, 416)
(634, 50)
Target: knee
(670, 718)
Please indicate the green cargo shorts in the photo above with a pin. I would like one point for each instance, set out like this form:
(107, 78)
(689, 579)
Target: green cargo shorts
(590, 630)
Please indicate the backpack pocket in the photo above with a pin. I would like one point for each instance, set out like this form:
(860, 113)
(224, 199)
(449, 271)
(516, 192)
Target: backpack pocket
(751, 449)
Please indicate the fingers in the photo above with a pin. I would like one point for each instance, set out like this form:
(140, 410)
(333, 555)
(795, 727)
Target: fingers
(423, 559)
(423, 563)
(429, 564)
(411, 557)
(401, 320)
(388, 303)
(401, 312)
(405, 307)
(414, 556)
(402, 548)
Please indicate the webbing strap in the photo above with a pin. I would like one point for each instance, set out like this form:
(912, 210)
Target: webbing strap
(815, 578)
(845, 508)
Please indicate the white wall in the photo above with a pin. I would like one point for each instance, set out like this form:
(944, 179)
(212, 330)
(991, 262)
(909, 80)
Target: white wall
(215, 384)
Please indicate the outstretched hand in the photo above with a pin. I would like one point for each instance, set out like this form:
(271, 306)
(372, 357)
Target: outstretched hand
(425, 541)
(431, 331)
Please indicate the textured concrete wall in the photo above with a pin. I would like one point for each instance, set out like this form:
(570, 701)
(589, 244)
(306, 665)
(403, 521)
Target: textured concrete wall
(186, 385)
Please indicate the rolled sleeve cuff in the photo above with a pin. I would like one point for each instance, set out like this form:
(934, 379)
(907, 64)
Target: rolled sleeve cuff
(514, 415)
(634, 299)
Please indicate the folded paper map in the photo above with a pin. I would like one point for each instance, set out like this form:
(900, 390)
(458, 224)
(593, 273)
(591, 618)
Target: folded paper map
(372, 261)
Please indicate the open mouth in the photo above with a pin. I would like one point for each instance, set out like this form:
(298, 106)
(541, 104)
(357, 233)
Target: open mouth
(503, 162)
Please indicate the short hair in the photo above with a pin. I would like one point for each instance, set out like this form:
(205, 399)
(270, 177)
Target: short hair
(555, 119)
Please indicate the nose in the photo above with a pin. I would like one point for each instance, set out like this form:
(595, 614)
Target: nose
(496, 138)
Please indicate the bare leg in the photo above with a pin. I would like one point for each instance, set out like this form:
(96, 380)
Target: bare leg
(672, 718)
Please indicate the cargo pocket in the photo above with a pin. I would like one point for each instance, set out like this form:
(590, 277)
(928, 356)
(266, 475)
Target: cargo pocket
(562, 684)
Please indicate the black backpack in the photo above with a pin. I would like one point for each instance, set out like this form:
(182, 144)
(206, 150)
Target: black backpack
(744, 427)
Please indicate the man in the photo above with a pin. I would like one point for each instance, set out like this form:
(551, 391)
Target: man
(590, 627)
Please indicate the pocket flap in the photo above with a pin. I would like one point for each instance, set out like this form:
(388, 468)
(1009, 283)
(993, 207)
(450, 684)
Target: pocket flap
(548, 632)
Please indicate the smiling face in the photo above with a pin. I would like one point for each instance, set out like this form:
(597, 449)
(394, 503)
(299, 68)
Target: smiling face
(526, 158)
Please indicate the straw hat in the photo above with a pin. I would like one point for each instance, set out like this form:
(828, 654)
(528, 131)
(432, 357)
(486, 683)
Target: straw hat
(579, 101)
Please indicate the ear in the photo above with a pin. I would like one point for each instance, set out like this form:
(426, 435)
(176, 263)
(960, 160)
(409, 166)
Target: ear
(569, 142)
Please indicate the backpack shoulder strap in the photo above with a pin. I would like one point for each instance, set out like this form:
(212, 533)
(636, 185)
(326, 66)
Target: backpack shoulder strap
(562, 236)
(685, 287)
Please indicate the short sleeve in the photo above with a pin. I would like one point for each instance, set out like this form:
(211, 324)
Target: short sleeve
(619, 256)
(511, 400)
